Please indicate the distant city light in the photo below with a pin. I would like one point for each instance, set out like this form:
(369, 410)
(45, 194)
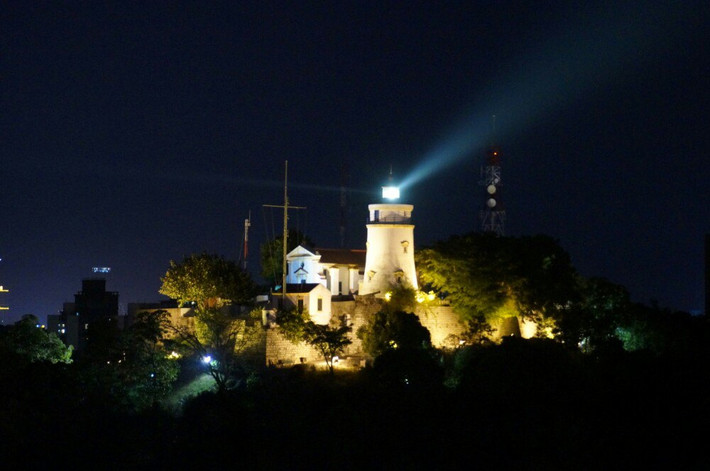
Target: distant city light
(101, 269)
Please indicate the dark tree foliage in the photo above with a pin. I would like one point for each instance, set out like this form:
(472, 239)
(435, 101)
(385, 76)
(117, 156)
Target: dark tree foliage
(592, 320)
(328, 340)
(272, 254)
(482, 273)
(391, 330)
(130, 369)
(478, 331)
(412, 368)
(664, 332)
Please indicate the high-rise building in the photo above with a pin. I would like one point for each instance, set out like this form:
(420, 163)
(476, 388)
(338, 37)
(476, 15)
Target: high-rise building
(91, 305)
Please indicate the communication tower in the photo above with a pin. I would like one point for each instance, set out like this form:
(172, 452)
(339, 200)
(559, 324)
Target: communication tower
(493, 212)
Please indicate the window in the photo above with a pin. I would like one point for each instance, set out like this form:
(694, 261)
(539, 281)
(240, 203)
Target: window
(340, 287)
(320, 304)
(399, 276)
(300, 304)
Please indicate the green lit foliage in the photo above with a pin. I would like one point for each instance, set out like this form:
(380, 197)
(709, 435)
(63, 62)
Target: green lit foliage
(481, 274)
(209, 281)
(32, 343)
(391, 330)
(272, 254)
(212, 284)
(401, 298)
(292, 323)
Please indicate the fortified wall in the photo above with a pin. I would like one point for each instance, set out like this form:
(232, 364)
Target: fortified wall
(441, 322)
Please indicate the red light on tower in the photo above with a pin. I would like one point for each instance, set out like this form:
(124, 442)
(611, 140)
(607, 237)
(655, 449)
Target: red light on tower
(493, 211)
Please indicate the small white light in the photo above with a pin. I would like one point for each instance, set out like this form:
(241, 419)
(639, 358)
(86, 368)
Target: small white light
(206, 359)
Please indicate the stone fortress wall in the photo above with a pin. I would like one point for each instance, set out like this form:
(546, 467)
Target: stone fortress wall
(441, 321)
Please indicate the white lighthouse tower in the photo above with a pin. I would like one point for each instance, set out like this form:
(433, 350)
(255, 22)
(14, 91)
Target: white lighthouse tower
(390, 245)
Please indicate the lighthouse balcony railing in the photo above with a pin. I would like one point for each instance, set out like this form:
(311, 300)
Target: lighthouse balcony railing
(391, 219)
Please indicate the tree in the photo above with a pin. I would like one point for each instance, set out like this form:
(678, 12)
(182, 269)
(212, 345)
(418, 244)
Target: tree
(479, 331)
(211, 284)
(592, 320)
(391, 330)
(272, 254)
(401, 297)
(34, 344)
(292, 323)
(481, 274)
(130, 368)
(224, 342)
(209, 281)
(329, 340)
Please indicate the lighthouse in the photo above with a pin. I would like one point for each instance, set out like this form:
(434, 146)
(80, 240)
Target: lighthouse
(390, 245)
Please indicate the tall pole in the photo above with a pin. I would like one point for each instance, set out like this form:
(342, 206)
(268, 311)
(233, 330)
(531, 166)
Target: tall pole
(285, 238)
(285, 207)
(247, 225)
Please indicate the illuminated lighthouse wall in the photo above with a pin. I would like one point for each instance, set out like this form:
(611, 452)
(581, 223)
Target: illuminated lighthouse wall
(390, 246)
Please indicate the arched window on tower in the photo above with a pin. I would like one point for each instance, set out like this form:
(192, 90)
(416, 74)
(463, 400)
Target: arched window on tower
(399, 276)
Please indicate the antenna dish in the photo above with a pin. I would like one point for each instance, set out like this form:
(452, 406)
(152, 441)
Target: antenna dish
(491, 203)
(491, 189)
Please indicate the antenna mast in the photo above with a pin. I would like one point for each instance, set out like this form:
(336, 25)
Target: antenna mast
(344, 177)
(245, 254)
(285, 238)
(285, 207)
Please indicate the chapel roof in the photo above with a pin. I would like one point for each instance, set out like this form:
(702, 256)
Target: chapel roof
(343, 256)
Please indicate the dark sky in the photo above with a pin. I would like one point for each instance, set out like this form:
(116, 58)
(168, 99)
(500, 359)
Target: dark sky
(133, 134)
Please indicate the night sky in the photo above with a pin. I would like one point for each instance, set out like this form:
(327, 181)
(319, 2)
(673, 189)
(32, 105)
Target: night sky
(133, 134)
